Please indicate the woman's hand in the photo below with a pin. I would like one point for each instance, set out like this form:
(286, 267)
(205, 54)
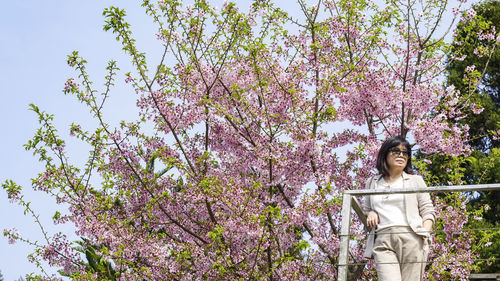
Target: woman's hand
(372, 219)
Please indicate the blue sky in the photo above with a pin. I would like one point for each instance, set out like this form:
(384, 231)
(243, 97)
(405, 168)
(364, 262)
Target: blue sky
(35, 38)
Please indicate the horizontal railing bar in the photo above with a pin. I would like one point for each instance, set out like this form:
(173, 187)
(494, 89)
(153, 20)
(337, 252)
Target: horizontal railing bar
(451, 231)
(484, 276)
(413, 262)
(447, 188)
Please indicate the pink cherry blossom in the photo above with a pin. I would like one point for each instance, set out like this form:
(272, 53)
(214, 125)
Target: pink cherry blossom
(248, 134)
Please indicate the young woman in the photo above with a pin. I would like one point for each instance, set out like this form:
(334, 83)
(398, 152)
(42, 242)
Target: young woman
(401, 223)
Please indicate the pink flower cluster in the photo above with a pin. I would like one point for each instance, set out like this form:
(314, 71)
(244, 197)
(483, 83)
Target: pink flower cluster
(12, 234)
(471, 14)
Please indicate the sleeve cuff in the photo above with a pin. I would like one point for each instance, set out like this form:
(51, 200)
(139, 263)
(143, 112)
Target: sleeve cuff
(428, 217)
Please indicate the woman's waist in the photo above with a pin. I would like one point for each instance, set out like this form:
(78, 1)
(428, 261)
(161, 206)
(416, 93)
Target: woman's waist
(393, 229)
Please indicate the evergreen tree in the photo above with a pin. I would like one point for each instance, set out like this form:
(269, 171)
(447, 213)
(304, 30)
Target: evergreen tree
(470, 42)
(477, 75)
(483, 164)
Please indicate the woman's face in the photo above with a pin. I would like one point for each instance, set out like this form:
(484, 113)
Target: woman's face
(397, 157)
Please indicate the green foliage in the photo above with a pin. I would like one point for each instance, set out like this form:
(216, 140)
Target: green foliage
(483, 165)
(476, 75)
(487, 244)
(483, 206)
(484, 55)
(440, 169)
(485, 168)
(13, 189)
(95, 264)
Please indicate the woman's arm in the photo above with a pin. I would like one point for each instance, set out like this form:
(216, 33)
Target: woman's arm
(366, 203)
(372, 218)
(425, 207)
(428, 224)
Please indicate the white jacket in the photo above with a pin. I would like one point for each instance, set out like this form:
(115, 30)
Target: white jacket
(418, 207)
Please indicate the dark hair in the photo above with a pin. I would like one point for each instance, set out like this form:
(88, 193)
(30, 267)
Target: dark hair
(391, 142)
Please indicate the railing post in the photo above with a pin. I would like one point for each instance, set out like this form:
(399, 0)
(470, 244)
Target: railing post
(344, 237)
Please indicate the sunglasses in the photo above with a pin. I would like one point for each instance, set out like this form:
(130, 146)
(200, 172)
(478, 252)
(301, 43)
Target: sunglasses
(396, 152)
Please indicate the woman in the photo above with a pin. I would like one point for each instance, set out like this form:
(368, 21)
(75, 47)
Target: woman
(401, 223)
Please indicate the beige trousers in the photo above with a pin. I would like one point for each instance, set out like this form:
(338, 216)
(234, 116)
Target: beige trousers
(400, 254)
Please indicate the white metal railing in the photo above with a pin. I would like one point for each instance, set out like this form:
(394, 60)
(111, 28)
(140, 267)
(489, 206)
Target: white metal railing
(349, 201)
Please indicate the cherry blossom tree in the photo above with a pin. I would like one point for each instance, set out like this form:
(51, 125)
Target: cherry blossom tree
(251, 126)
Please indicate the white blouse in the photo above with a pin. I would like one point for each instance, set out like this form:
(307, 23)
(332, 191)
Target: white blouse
(390, 207)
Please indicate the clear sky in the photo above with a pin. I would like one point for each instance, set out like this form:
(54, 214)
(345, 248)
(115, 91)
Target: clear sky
(35, 37)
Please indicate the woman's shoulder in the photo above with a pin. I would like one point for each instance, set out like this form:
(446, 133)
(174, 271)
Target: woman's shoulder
(369, 181)
(373, 178)
(414, 178)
